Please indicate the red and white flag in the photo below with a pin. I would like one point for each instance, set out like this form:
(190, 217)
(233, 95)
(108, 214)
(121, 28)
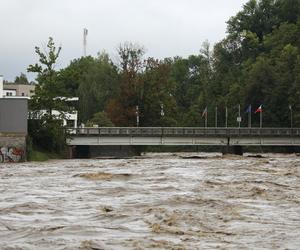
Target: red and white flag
(259, 109)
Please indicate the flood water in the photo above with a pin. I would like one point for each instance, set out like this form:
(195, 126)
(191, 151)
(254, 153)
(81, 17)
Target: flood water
(159, 201)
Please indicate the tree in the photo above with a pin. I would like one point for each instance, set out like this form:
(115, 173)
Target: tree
(158, 105)
(46, 90)
(22, 79)
(72, 76)
(122, 108)
(101, 119)
(46, 130)
(97, 86)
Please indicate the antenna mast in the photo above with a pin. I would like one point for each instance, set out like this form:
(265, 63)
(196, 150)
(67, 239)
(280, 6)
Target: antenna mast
(85, 32)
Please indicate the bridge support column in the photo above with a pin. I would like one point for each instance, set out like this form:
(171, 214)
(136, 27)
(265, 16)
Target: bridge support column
(112, 151)
(70, 152)
(103, 151)
(235, 150)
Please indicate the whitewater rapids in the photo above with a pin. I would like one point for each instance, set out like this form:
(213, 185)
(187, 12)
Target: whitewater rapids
(158, 201)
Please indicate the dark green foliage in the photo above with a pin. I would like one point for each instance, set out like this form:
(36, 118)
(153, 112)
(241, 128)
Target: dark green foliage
(46, 129)
(22, 79)
(47, 135)
(97, 86)
(100, 119)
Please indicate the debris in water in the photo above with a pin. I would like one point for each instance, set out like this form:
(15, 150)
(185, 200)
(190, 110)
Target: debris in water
(255, 156)
(101, 176)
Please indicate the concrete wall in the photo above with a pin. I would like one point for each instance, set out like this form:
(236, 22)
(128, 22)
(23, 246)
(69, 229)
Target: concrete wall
(1, 86)
(13, 129)
(13, 115)
(12, 148)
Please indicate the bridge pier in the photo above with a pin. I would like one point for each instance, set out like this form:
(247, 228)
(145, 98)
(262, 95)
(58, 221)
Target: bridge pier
(103, 151)
(235, 150)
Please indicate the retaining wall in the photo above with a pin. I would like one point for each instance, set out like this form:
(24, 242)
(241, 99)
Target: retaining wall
(12, 148)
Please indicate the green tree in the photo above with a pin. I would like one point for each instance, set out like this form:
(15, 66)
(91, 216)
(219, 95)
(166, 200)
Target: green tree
(97, 86)
(22, 79)
(70, 78)
(100, 119)
(158, 106)
(45, 129)
(122, 108)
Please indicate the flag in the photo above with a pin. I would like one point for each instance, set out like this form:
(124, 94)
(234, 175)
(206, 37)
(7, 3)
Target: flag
(259, 109)
(249, 109)
(204, 112)
(290, 107)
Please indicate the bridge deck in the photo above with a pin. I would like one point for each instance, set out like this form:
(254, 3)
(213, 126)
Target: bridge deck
(184, 131)
(183, 136)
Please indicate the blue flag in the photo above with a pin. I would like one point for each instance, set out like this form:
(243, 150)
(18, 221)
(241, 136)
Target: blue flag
(249, 109)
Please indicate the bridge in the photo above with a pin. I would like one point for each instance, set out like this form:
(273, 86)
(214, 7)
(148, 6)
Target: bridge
(105, 136)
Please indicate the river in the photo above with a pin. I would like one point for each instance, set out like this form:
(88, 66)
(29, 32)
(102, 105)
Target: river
(157, 201)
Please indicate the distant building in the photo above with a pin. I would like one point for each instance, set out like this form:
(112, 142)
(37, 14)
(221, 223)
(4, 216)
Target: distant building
(24, 90)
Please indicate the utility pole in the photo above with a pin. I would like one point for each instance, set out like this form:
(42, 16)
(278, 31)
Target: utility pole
(85, 33)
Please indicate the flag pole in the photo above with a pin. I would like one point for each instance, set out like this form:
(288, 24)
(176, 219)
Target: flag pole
(239, 115)
(260, 118)
(291, 110)
(137, 115)
(226, 117)
(216, 117)
(206, 119)
(249, 116)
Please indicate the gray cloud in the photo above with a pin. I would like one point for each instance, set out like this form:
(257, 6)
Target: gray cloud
(165, 27)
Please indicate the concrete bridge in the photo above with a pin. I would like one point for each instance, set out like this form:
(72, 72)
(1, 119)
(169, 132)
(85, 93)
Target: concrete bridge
(184, 136)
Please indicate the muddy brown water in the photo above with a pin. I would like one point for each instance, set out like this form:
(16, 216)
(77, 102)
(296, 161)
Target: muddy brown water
(160, 201)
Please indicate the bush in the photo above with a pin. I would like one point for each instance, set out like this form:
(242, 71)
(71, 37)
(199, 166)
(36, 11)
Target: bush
(47, 135)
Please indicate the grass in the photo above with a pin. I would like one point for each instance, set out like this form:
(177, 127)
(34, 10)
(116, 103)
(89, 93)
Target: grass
(38, 155)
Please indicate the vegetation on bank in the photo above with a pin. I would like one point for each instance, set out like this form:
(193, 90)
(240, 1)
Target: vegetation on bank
(40, 155)
(257, 63)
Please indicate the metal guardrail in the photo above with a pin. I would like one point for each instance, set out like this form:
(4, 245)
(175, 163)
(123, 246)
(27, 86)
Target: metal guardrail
(183, 131)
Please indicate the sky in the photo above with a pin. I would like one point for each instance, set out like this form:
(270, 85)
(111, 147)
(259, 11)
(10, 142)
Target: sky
(166, 28)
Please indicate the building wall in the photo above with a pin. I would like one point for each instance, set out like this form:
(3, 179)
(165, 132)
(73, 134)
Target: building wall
(9, 92)
(13, 115)
(13, 129)
(21, 89)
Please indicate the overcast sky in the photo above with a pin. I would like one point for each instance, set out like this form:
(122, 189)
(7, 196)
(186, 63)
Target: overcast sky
(166, 28)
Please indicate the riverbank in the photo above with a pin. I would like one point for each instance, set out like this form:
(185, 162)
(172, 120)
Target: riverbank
(40, 155)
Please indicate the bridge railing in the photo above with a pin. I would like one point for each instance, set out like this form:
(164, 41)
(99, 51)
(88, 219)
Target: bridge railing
(182, 131)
